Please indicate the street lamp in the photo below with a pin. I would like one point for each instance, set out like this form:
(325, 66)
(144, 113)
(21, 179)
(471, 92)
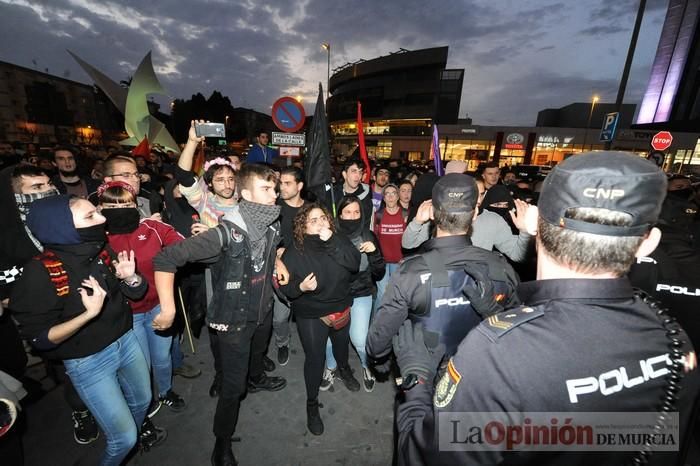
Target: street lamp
(588, 125)
(327, 47)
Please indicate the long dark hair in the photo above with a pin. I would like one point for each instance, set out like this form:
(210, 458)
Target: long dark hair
(302, 217)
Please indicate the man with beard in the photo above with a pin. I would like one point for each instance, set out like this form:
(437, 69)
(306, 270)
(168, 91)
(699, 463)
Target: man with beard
(381, 179)
(20, 186)
(244, 248)
(68, 180)
(8, 156)
(214, 194)
(290, 201)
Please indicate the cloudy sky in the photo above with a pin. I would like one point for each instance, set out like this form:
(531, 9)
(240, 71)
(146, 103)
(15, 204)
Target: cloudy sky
(519, 56)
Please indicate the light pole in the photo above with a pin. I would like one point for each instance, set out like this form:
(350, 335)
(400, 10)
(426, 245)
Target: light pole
(327, 47)
(588, 125)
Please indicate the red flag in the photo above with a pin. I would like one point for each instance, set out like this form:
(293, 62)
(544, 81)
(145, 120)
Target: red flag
(361, 142)
(143, 150)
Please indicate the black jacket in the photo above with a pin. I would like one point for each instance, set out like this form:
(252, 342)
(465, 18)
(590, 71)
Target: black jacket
(37, 306)
(444, 310)
(333, 262)
(90, 184)
(578, 346)
(227, 249)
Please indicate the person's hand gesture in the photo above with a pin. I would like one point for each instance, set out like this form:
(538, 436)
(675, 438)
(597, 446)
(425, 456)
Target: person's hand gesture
(425, 211)
(368, 247)
(325, 234)
(93, 303)
(309, 283)
(282, 272)
(198, 228)
(125, 267)
(518, 215)
(192, 134)
(163, 321)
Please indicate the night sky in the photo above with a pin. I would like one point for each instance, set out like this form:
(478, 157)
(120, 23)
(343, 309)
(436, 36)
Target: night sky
(519, 56)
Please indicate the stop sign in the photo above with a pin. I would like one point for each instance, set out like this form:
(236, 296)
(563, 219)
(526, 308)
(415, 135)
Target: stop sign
(661, 141)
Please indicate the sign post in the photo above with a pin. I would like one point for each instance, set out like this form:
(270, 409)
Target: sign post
(607, 132)
(289, 116)
(661, 141)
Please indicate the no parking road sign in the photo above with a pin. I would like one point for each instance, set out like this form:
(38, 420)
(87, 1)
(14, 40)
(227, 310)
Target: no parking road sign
(288, 114)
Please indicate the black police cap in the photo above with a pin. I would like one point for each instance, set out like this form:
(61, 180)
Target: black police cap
(617, 181)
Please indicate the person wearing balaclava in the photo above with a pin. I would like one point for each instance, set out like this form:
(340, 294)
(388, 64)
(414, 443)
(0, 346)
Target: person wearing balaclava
(71, 304)
(498, 200)
(362, 286)
(147, 237)
(243, 248)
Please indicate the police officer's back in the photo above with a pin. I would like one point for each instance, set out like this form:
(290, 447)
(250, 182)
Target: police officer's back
(582, 342)
(427, 288)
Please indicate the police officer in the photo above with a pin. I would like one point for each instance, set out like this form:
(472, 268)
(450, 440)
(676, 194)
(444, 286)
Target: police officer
(582, 342)
(428, 288)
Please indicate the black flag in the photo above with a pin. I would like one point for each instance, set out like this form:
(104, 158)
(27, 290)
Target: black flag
(317, 164)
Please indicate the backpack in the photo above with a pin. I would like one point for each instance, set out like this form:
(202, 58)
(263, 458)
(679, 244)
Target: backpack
(380, 213)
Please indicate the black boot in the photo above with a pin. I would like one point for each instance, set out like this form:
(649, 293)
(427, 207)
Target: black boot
(313, 417)
(222, 454)
(150, 435)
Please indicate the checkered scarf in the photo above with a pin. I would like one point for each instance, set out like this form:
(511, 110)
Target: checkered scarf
(24, 202)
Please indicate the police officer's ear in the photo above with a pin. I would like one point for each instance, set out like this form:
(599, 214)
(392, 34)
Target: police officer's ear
(531, 216)
(649, 244)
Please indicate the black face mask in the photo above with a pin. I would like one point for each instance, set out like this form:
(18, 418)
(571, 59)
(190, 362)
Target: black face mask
(682, 193)
(350, 227)
(93, 234)
(122, 219)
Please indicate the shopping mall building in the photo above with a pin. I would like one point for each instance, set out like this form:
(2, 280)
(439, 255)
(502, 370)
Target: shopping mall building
(403, 94)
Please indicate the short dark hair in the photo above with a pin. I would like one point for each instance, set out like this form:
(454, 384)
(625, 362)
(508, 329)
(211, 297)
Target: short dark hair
(296, 172)
(260, 131)
(250, 171)
(63, 148)
(24, 169)
(214, 169)
(346, 201)
(490, 165)
(586, 252)
(455, 224)
(353, 161)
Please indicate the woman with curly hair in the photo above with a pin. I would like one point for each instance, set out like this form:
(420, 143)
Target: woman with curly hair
(320, 265)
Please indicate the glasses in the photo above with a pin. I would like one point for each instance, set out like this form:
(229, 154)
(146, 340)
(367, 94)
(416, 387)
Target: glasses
(127, 175)
(316, 220)
(390, 193)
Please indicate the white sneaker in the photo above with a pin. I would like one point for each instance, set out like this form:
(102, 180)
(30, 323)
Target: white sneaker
(368, 379)
(327, 380)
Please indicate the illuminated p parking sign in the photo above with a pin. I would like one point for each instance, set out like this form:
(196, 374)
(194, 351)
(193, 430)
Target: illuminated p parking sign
(607, 132)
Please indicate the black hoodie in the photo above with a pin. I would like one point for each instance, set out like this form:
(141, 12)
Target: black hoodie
(16, 247)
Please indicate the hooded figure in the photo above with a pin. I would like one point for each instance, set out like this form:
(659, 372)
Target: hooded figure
(498, 200)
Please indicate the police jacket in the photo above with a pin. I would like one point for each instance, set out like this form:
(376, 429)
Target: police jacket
(578, 345)
(672, 275)
(428, 287)
(228, 249)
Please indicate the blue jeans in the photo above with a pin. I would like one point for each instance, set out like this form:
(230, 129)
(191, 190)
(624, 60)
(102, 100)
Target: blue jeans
(156, 348)
(381, 285)
(115, 386)
(360, 313)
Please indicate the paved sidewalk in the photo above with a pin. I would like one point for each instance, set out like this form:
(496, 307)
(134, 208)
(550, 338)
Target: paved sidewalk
(272, 426)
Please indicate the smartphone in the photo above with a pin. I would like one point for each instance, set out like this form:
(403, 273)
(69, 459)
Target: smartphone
(210, 130)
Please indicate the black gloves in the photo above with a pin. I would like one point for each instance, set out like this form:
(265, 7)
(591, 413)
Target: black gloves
(481, 293)
(412, 356)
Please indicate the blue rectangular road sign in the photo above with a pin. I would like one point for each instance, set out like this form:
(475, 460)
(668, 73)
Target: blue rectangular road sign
(607, 132)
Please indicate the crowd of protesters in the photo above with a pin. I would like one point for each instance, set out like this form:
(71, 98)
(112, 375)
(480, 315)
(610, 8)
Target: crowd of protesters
(102, 251)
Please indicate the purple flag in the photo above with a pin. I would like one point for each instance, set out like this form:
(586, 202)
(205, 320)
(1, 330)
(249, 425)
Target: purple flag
(435, 152)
